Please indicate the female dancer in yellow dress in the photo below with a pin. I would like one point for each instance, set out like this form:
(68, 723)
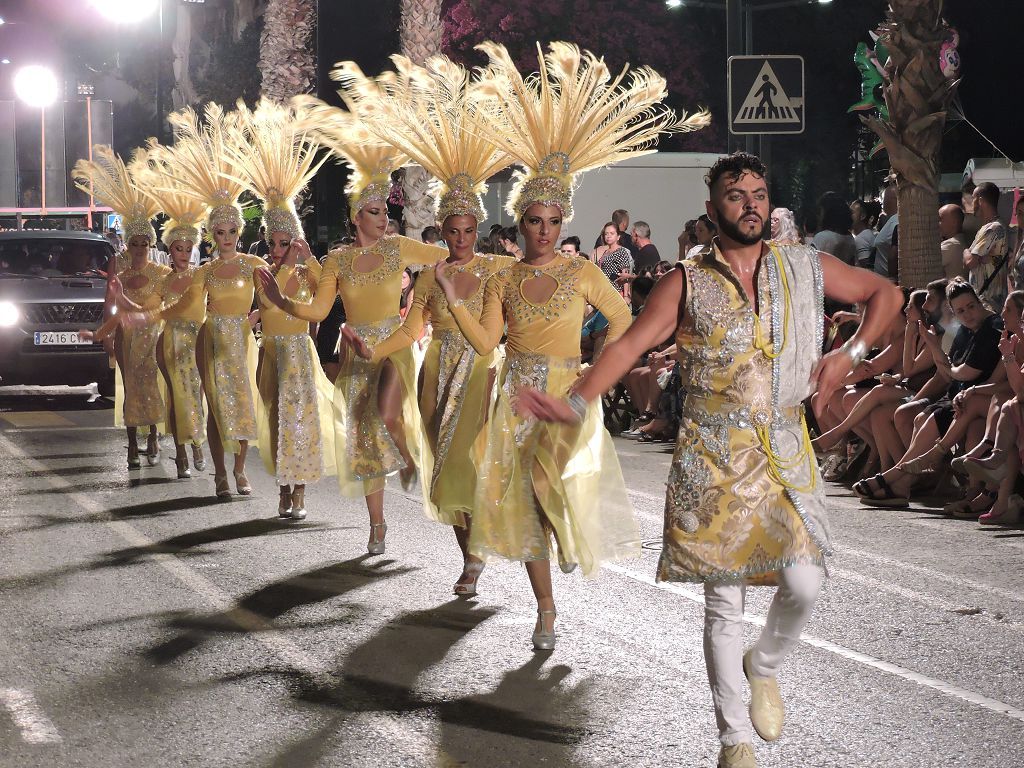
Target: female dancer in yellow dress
(134, 347)
(542, 481)
(428, 115)
(226, 285)
(295, 412)
(380, 430)
(176, 350)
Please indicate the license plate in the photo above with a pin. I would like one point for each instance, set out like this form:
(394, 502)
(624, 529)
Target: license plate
(58, 338)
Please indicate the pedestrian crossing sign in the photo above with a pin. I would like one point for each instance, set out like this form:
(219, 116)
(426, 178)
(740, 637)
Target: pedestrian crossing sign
(766, 94)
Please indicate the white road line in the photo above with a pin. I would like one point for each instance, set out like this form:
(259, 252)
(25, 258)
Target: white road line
(958, 580)
(35, 727)
(961, 530)
(844, 549)
(993, 705)
(273, 639)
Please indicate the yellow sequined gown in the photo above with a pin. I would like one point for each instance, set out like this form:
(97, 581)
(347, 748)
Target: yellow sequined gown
(178, 343)
(541, 480)
(369, 281)
(295, 411)
(728, 515)
(455, 386)
(226, 347)
(141, 382)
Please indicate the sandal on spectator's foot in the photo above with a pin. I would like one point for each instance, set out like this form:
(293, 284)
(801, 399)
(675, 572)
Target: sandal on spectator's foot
(988, 473)
(863, 487)
(984, 501)
(928, 460)
(887, 498)
(982, 449)
(833, 467)
(1009, 516)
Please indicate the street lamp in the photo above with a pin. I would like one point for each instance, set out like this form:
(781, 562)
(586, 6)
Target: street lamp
(88, 90)
(37, 86)
(126, 11)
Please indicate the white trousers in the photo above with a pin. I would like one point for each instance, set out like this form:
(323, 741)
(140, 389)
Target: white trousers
(723, 641)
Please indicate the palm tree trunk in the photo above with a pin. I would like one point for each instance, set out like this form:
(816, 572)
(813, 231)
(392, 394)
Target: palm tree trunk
(287, 56)
(420, 31)
(917, 95)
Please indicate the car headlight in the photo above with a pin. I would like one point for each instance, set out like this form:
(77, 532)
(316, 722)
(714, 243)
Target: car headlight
(9, 314)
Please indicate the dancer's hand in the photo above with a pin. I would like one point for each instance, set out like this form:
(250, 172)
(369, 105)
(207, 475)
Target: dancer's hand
(544, 407)
(271, 290)
(301, 249)
(444, 282)
(827, 378)
(356, 342)
(254, 318)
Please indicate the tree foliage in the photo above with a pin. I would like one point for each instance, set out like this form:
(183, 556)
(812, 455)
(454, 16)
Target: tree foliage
(642, 32)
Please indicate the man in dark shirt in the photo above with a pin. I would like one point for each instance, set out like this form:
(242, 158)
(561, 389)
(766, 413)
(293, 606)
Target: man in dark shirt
(646, 256)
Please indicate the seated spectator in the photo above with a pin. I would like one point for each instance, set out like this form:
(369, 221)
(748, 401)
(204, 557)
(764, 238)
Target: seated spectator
(661, 269)
(432, 236)
(973, 359)
(994, 464)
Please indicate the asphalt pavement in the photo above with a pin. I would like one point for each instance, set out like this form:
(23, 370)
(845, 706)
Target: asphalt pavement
(145, 624)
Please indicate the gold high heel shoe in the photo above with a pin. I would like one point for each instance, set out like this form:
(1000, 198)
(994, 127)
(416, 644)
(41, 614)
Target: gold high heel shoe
(133, 457)
(468, 589)
(544, 638)
(299, 504)
(242, 484)
(221, 487)
(376, 545)
(198, 459)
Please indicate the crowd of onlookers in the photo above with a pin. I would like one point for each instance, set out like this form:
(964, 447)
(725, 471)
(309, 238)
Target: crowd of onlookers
(935, 411)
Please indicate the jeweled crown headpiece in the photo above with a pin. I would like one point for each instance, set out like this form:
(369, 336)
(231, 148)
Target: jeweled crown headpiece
(113, 184)
(276, 158)
(207, 169)
(427, 113)
(569, 117)
(160, 182)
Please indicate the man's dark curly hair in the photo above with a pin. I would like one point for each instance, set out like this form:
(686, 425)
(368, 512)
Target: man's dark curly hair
(734, 166)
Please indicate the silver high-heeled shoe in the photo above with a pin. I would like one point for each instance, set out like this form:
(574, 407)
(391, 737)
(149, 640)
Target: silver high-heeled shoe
(299, 505)
(376, 545)
(153, 453)
(242, 484)
(284, 505)
(182, 466)
(198, 459)
(543, 638)
(468, 589)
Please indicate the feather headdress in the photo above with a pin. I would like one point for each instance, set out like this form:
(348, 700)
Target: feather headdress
(571, 116)
(160, 181)
(114, 185)
(348, 138)
(428, 113)
(276, 158)
(204, 164)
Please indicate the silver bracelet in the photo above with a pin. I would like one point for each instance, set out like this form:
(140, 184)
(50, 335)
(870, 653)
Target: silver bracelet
(856, 351)
(578, 405)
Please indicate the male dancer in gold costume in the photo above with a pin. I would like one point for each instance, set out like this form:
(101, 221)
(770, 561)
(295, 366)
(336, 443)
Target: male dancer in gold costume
(745, 499)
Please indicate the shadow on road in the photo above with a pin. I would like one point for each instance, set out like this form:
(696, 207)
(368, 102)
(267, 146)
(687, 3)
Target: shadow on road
(256, 612)
(529, 707)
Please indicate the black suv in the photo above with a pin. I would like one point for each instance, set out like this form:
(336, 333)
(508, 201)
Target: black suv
(52, 283)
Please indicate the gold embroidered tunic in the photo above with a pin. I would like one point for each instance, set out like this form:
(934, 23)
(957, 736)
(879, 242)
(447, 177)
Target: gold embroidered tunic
(744, 495)
(369, 281)
(455, 385)
(540, 481)
(178, 343)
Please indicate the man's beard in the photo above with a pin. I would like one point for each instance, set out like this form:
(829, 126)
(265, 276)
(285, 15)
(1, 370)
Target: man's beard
(733, 232)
